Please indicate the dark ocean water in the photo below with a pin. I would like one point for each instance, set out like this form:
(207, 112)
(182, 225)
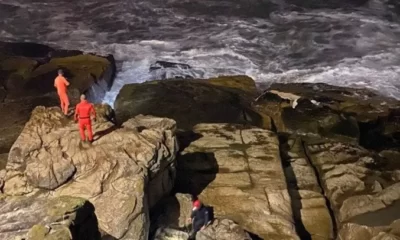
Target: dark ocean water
(346, 43)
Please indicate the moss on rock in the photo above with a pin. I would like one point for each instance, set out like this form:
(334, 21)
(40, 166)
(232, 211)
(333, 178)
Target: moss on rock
(190, 102)
(28, 71)
(82, 71)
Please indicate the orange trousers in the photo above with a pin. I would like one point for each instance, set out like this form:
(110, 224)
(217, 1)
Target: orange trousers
(85, 123)
(64, 102)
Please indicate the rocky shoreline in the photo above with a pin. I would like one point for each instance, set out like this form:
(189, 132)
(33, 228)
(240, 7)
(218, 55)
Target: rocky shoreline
(300, 161)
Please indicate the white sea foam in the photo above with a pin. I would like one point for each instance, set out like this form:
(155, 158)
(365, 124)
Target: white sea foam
(345, 48)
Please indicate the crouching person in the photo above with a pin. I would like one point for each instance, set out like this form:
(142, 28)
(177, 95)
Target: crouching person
(200, 218)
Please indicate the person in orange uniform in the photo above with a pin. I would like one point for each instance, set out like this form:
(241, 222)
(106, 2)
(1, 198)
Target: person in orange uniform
(61, 84)
(82, 114)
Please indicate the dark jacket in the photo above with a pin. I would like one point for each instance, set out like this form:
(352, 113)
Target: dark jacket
(200, 217)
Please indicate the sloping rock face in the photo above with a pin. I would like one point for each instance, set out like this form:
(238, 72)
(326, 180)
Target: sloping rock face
(27, 80)
(189, 102)
(344, 114)
(121, 173)
(362, 187)
(47, 219)
(237, 170)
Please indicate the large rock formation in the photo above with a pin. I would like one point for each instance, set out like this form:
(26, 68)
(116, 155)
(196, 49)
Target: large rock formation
(237, 170)
(189, 102)
(362, 187)
(338, 188)
(125, 170)
(27, 73)
(32, 218)
(350, 115)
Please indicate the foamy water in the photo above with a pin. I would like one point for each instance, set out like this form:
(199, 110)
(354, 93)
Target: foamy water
(273, 41)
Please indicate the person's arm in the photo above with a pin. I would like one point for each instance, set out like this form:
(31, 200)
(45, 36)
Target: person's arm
(66, 82)
(55, 81)
(206, 219)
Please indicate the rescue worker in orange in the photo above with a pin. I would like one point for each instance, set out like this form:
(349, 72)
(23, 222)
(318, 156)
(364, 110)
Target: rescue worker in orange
(61, 83)
(83, 111)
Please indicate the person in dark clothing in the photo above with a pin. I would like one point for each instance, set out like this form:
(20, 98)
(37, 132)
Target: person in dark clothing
(200, 218)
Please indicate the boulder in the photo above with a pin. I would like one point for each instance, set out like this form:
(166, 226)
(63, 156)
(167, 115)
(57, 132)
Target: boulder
(189, 102)
(170, 234)
(123, 172)
(28, 71)
(354, 231)
(220, 229)
(223, 229)
(362, 187)
(161, 70)
(40, 218)
(344, 114)
(237, 170)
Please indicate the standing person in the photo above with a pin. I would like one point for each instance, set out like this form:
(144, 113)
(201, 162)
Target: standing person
(199, 218)
(82, 114)
(61, 83)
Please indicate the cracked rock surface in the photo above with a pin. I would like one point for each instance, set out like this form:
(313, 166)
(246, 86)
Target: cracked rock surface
(122, 173)
(239, 173)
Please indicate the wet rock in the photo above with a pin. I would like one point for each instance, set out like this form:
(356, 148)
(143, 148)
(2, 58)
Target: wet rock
(218, 100)
(41, 218)
(237, 170)
(123, 172)
(165, 64)
(344, 114)
(28, 71)
(161, 70)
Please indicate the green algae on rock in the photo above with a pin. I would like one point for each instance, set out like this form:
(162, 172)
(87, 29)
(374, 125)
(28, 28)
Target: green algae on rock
(28, 71)
(190, 102)
(42, 218)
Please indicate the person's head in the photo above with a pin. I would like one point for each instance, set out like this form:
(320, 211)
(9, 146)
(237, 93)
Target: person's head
(83, 97)
(60, 72)
(196, 204)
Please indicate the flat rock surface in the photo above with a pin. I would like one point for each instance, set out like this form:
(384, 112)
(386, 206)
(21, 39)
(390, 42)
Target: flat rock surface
(224, 164)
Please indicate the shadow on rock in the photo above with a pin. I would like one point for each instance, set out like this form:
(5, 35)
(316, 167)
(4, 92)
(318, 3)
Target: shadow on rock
(292, 185)
(195, 171)
(103, 133)
(86, 225)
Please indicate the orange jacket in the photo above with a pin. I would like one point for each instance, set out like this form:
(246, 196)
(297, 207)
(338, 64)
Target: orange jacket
(83, 110)
(61, 84)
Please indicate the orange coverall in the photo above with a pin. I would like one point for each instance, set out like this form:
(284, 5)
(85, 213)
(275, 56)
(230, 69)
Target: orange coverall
(61, 84)
(82, 114)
